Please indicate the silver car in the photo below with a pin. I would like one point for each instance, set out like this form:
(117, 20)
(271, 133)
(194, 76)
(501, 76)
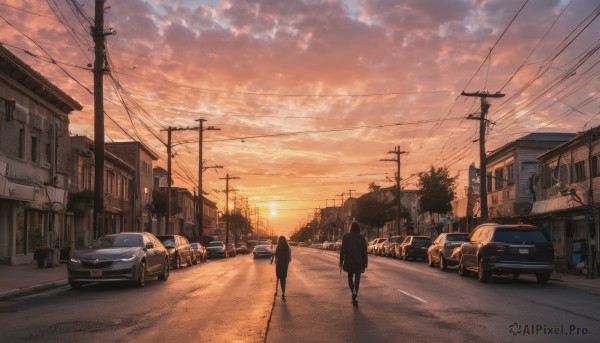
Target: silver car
(127, 256)
(263, 250)
(440, 251)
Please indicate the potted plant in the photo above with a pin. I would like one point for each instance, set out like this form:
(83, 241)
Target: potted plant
(41, 255)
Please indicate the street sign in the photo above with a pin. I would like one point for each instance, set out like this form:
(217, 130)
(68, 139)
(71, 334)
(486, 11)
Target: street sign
(148, 207)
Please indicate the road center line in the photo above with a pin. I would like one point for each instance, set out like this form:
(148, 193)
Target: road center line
(412, 296)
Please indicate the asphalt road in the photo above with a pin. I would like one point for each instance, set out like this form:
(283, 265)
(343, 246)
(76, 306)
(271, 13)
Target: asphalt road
(406, 301)
(231, 300)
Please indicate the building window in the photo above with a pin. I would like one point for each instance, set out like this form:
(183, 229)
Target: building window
(499, 178)
(595, 166)
(488, 185)
(578, 171)
(22, 143)
(510, 174)
(34, 149)
(547, 175)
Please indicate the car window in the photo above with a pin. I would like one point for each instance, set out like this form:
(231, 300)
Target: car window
(116, 241)
(421, 240)
(519, 236)
(457, 238)
(476, 234)
(214, 244)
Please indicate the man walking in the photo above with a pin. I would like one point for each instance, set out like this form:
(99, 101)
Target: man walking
(353, 258)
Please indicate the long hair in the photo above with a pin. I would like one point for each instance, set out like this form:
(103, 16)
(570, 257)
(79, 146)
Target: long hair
(282, 243)
(355, 227)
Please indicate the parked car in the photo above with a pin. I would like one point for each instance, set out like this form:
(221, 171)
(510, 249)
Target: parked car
(216, 248)
(338, 244)
(263, 249)
(179, 249)
(241, 248)
(372, 246)
(379, 248)
(495, 248)
(199, 253)
(440, 251)
(414, 247)
(388, 246)
(293, 243)
(126, 256)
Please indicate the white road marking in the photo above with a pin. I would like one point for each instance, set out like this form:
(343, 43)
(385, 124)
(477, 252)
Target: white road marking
(412, 296)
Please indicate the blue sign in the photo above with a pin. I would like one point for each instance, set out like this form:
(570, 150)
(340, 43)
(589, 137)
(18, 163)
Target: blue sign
(148, 207)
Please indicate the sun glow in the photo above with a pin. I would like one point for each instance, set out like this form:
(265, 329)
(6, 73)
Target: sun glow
(273, 209)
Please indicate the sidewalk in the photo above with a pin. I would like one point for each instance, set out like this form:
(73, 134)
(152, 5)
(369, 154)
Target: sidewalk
(16, 281)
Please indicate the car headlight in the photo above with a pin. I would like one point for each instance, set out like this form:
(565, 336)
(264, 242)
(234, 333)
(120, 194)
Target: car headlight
(126, 259)
(75, 260)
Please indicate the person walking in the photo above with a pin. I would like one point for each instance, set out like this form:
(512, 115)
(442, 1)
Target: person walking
(354, 258)
(282, 257)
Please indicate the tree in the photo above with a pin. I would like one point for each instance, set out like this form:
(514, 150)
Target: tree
(436, 190)
(371, 210)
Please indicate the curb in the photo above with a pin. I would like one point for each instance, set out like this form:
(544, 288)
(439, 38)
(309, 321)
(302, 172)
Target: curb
(21, 292)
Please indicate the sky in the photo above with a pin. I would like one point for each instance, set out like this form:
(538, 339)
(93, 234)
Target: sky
(309, 96)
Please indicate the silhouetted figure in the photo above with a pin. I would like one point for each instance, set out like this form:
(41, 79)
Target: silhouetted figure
(353, 258)
(282, 257)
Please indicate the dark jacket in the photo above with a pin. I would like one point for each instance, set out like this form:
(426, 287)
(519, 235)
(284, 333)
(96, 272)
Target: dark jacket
(353, 254)
(282, 256)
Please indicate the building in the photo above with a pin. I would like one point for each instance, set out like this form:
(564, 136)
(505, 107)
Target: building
(510, 170)
(141, 158)
(118, 189)
(34, 152)
(567, 194)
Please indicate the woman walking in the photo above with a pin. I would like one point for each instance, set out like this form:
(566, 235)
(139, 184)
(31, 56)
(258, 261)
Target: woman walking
(283, 257)
(353, 258)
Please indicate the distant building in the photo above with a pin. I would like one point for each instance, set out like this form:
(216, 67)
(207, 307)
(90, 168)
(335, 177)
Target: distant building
(141, 158)
(118, 189)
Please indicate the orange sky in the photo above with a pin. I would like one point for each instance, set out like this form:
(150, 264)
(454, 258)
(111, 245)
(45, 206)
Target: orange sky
(310, 95)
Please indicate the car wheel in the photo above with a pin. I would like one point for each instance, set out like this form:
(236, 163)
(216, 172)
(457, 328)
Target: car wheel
(176, 262)
(462, 269)
(189, 261)
(542, 278)
(443, 264)
(141, 280)
(430, 260)
(482, 275)
(75, 285)
(165, 273)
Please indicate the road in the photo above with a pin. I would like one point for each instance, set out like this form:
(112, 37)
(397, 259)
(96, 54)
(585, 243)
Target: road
(232, 300)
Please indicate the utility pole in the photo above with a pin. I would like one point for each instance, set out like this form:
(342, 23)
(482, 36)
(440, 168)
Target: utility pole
(341, 195)
(200, 218)
(227, 178)
(99, 70)
(396, 159)
(169, 130)
(350, 191)
(485, 106)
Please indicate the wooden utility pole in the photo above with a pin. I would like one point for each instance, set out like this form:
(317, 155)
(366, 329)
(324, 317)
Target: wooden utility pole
(98, 35)
(200, 203)
(485, 106)
(227, 178)
(396, 159)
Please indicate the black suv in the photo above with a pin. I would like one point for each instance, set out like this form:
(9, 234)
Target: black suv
(179, 249)
(507, 249)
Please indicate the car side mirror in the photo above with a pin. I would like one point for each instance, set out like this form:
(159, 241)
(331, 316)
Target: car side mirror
(149, 245)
